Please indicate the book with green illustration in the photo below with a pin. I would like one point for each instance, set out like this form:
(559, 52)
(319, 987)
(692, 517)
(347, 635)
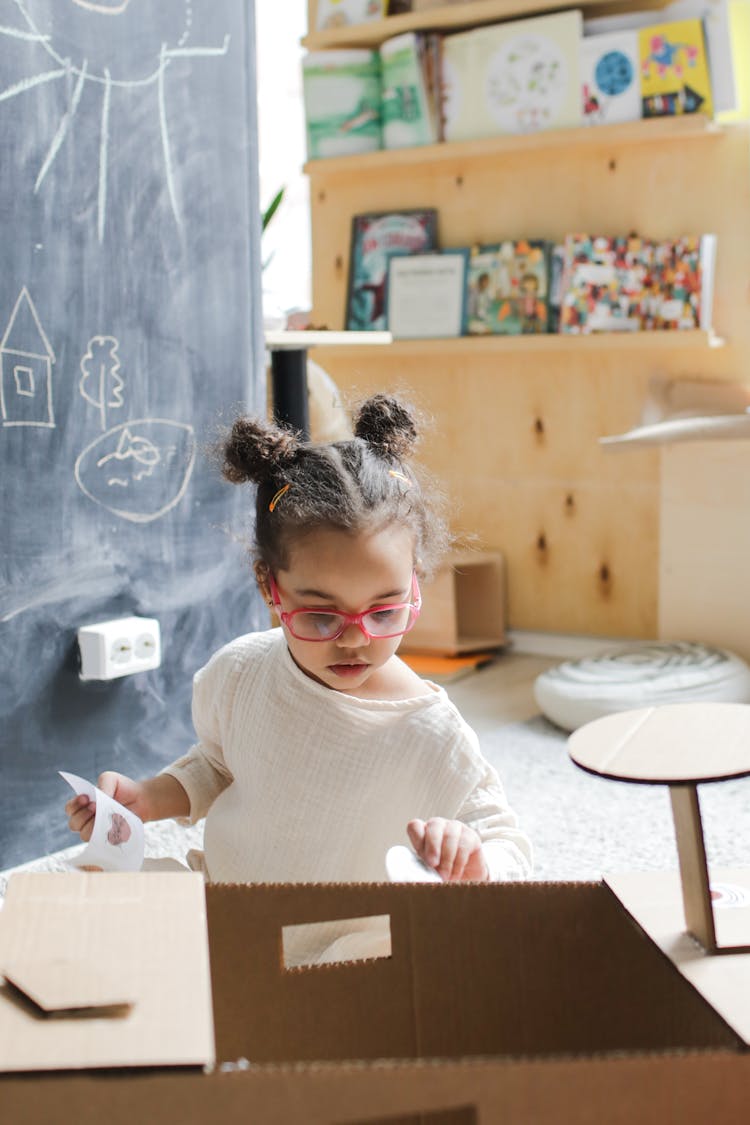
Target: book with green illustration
(410, 109)
(508, 288)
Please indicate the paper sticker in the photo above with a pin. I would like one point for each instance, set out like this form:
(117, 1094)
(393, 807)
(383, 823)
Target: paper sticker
(404, 866)
(729, 894)
(117, 840)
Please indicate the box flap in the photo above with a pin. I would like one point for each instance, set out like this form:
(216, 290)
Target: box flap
(654, 899)
(82, 941)
(65, 984)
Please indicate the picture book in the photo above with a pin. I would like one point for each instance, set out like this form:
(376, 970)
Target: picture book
(409, 107)
(674, 70)
(679, 283)
(554, 301)
(344, 13)
(726, 44)
(447, 669)
(514, 77)
(508, 289)
(426, 295)
(739, 50)
(375, 239)
(341, 91)
(610, 84)
(630, 284)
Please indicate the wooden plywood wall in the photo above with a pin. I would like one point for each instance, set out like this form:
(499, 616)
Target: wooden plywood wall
(704, 587)
(515, 431)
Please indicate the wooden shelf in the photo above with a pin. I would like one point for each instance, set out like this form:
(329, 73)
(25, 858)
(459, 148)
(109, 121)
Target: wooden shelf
(453, 17)
(285, 340)
(553, 342)
(652, 130)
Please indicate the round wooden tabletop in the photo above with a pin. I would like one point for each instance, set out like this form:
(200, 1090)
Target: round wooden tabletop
(667, 745)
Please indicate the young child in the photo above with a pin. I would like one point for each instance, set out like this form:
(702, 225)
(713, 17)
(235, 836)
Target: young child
(318, 748)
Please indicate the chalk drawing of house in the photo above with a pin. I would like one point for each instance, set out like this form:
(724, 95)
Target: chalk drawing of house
(26, 360)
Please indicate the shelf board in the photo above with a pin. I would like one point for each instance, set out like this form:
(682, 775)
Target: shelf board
(447, 17)
(285, 340)
(690, 126)
(695, 339)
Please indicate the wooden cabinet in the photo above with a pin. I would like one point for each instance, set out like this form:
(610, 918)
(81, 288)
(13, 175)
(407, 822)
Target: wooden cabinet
(516, 421)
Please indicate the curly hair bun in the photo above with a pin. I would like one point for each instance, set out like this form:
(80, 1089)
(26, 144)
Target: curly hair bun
(388, 425)
(257, 451)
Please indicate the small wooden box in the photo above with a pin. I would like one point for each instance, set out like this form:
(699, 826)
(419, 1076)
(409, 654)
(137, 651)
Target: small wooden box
(463, 607)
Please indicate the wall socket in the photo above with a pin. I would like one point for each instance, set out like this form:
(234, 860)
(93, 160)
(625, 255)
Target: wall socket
(111, 649)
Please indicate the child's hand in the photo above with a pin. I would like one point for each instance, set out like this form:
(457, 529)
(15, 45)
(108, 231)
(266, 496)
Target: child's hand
(81, 811)
(452, 848)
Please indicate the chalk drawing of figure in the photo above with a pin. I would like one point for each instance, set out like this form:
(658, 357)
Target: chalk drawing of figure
(138, 470)
(109, 46)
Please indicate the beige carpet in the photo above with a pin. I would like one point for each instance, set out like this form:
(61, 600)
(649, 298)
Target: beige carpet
(164, 839)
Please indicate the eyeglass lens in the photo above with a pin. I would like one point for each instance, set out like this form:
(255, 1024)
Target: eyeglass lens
(388, 621)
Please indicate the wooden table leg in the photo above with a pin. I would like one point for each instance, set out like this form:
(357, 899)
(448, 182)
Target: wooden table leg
(691, 850)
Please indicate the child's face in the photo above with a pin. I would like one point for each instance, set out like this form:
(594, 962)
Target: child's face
(353, 573)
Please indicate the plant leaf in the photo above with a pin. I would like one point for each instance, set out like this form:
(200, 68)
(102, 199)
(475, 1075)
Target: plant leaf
(272, 208)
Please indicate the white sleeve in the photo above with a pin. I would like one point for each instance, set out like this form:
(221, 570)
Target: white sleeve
(506, 847)
(202, 772)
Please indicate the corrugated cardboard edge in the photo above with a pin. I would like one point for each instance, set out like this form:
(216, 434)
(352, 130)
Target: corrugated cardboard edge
(654, 901)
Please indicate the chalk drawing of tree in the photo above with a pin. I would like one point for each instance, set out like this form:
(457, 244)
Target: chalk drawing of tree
(101, 383)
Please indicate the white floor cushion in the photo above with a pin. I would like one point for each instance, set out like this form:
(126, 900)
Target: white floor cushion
(578, 691)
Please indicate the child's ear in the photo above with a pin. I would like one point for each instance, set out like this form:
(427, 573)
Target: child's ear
(261, 578)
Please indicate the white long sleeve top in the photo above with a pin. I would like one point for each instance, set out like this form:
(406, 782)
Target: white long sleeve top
(301, 783)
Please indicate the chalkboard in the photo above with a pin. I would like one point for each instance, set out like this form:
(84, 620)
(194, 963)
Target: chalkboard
(129, 334)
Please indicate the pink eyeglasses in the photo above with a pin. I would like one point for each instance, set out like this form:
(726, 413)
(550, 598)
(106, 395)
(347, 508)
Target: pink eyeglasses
(328, 624)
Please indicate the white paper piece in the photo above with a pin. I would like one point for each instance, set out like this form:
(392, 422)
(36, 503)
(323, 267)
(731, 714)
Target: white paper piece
(729, 895)
(404, 866)
(117, 839)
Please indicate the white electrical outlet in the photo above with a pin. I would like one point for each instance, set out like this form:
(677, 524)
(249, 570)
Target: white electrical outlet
(120, 647)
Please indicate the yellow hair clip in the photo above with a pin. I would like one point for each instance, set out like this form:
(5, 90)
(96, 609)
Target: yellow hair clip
(399, 476)
(277, 497)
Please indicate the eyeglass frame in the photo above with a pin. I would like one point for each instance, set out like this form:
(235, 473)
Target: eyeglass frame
(348, 618)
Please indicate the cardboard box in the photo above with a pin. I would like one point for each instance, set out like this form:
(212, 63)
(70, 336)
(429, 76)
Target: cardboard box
(463, 607)
(104, 970)
(521, 1003)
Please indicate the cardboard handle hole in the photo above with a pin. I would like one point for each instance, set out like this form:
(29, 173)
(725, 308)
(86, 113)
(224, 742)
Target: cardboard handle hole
(338, 941)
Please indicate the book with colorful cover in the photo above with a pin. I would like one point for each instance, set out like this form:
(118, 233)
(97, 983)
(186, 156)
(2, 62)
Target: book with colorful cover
(508, 289)
(375, 239)
(726, 28)
(341, 91)
(515, 77)
(408, 111)
(630, 284)
(610, 84)
(331, 14)
(556, 272)
(674, 69)
(680, 283)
